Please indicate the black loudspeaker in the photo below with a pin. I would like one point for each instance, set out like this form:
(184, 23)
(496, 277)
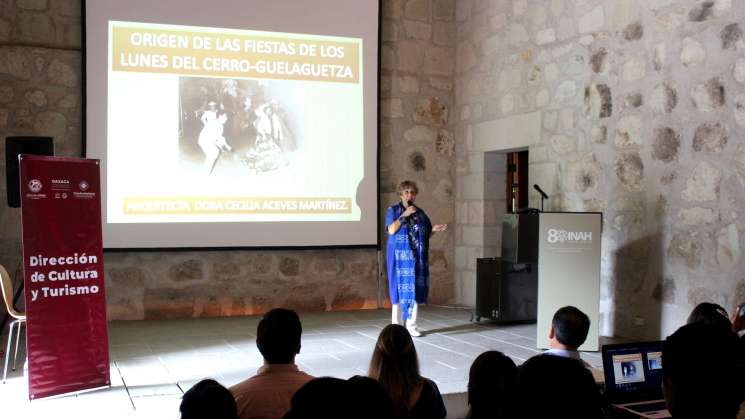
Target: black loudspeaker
(505, 291)
(14, 146)
(488, 281)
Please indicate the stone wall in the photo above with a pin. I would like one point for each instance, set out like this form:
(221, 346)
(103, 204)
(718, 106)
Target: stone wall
(639, 112)
(40, 94)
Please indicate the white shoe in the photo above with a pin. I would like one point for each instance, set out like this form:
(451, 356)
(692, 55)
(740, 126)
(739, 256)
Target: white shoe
(414, 331)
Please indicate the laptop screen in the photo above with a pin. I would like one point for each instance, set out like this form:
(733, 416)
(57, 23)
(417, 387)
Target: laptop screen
(633, 371)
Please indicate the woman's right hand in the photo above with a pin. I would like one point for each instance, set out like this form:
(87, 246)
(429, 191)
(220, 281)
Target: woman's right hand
(409, 210)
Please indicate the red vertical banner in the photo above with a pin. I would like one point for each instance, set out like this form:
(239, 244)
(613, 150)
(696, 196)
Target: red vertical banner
(66, 330)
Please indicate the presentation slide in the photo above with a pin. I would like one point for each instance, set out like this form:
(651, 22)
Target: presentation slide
(226, 134)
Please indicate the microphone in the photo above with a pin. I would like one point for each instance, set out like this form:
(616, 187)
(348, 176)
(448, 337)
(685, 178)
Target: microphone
(413, 216)
(540, 191)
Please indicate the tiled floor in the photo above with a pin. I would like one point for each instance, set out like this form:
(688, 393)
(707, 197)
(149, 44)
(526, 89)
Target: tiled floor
(154, 362)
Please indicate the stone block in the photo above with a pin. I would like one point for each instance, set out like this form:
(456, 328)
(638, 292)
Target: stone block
(710, 136)
(566, 91)
(67, 8)
(430, 111)
(4, 31)
(599, 61)
(417, 10)
(421, 134)
(438, 61)
(709, 95)
(445, 144)
(703, 184)
(663, 98)
(692, 52)
(472, 186)
(441, 83)
(473, 236)
(584, 174)
(391, 108)
(417, 30)
(410, 56)
(738, 71)
(35, 28)
(628, 131)
(592, 21)
(701, 12)
(52, 124)
(687, 247)
(545, 36)
(697, 216)
(635, 100)
(444, 34)
(598, 101)
(629, 170)
(659, 57)
(634, 69)
(15, 62)
(463, 10)
(622, 13)
(36, 97)
(387, 57)
(738, 108)
(389, 31)
(61, 74)
(516, 35)
(633, 32)
(289, 266)
(393, 9)
(666, 143)
(563, 144)
(443, 9)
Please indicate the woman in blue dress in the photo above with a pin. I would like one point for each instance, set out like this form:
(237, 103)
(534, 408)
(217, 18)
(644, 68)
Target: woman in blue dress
(409, 231)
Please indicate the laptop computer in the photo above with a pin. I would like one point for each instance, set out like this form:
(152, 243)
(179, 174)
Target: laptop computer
(633, 378)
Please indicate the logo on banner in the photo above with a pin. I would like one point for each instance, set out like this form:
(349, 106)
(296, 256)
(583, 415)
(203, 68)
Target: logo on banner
(83, 185)
(563, 236)
(34, 185)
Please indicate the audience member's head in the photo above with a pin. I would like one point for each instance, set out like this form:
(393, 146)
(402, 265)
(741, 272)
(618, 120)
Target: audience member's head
(569, 328)
(701, 378)
(323, 397)
(555, 386)
(278, 336)
(370, 399)
(491, 386)
(712, 314)
(208, 399)
(395, 365)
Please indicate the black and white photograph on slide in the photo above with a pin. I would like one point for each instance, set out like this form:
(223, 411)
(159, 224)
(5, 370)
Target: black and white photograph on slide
(237, 127)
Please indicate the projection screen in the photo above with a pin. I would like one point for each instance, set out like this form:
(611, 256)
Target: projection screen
(234, 123)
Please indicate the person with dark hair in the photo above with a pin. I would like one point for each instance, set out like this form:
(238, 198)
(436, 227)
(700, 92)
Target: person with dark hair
(208, 399)
(568, 332)
(407, 256)
(712, 314)
(395, 365)
(267, 394)
(701, 378)
(491, 386)
(323, 397)
(557, 387)
(370, 399)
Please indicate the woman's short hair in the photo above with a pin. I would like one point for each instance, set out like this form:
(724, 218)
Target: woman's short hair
(407, 184)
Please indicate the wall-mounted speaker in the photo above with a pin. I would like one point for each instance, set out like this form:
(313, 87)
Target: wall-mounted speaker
(14, 146)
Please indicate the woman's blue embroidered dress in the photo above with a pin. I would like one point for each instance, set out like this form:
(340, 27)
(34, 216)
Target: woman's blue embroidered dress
(408, 259)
